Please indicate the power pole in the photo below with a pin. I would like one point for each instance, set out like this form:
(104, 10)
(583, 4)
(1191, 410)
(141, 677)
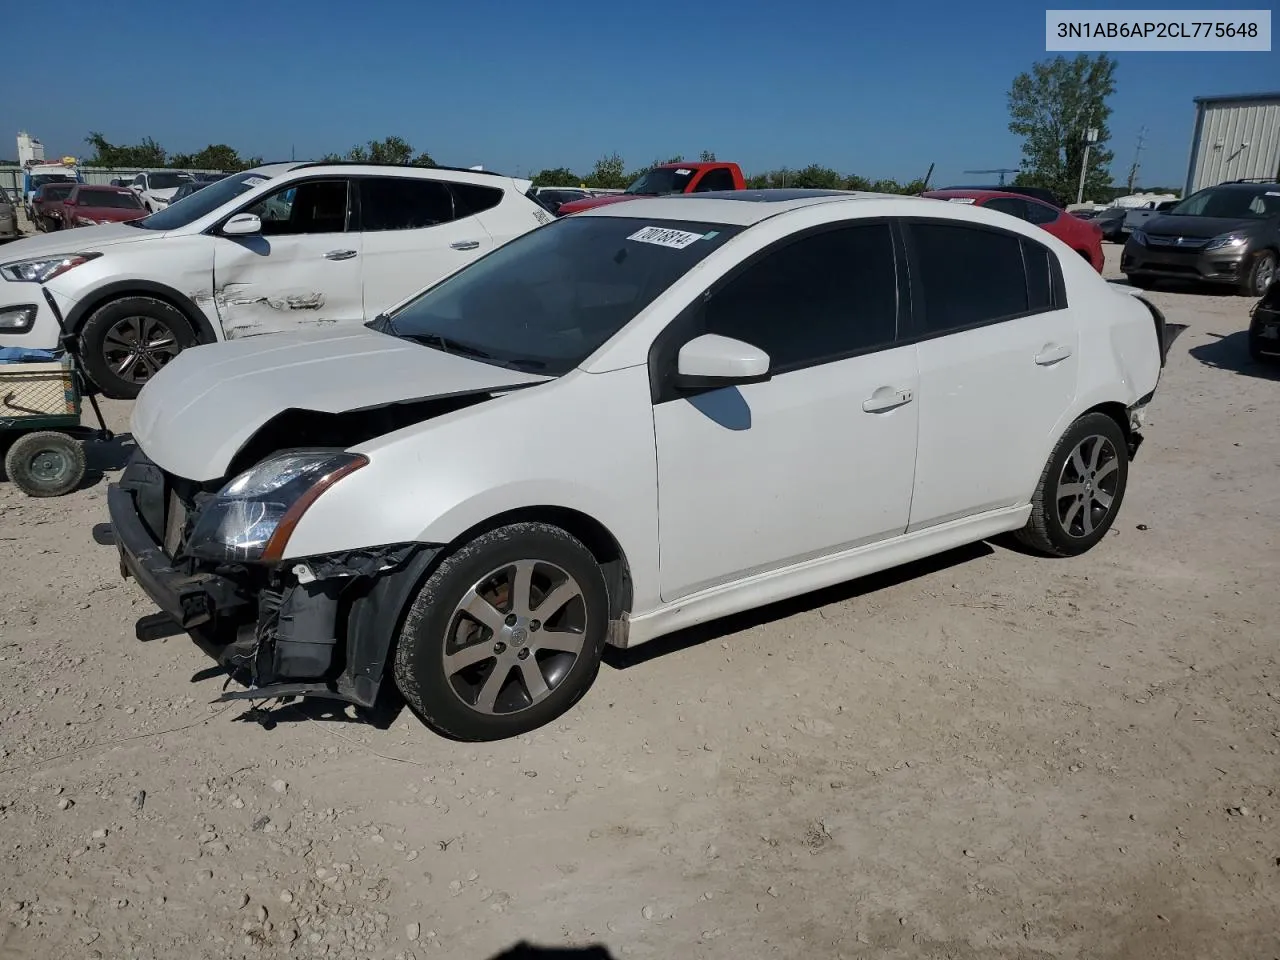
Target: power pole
(1090, 138)
(1137, 155)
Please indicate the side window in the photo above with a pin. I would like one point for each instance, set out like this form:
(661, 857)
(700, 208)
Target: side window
(822, 297)
(140, 181)
(403, 203)
(471, 198)
(717, 179)
(968, 275)
(1040, 285)
(318, 206)
(1041, 213)
(1010, 205)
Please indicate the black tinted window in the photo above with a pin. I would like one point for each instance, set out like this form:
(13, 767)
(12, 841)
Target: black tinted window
(827, 295)
(1015, 207)
(1041, 213)
(1039, 275)
(968, 275)
(717, 179)
(399, 203)
(471, 198)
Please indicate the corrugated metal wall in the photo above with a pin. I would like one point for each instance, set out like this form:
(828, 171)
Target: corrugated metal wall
(1220, 152)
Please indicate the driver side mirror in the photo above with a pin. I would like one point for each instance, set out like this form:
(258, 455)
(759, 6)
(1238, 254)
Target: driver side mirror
(242, 225)
(712, 361)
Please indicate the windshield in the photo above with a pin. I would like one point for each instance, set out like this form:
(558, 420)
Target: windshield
(57, 191)
(115, 199)
(40, 179)
(662, 180)
(1231, 203)
(167, 181)
(204, 202)
(549, 299)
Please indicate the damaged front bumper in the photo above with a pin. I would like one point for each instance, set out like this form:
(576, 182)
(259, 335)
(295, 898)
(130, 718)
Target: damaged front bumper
(316, 626)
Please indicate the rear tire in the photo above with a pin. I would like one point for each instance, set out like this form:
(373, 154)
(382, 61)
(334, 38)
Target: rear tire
(505, 635)
(45, 463)
(1080, 490)
(124, 343)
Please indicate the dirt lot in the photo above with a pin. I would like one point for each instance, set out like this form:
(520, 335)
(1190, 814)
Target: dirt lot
(986, 756)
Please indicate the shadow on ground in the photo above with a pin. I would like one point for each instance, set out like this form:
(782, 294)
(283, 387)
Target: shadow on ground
(527, 951)
(1231, 352)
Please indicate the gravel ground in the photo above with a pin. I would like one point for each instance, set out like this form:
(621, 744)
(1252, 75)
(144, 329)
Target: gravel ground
(988, 755)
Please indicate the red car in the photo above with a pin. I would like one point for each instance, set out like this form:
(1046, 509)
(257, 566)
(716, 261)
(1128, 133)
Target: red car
(46, 205)
(88, 206)
(1082, 236)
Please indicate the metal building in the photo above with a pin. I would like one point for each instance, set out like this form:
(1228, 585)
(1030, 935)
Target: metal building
(1236, 138)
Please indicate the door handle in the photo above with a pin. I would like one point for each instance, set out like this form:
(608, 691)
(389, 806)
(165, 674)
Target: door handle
(465, 244)
(886, 398)
(339, 254)
(1051, 353)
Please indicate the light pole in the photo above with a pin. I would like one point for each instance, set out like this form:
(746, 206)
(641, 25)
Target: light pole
(1090, 138)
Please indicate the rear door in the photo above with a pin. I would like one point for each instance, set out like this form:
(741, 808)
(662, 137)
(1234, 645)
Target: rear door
(414, 232)
(998, 348)
(303, 269)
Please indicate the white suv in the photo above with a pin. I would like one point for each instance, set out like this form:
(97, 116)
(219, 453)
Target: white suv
(156, 189)
(640, 418)
(275, 248)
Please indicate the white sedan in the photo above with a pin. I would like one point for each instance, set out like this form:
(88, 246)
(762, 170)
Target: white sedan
(622, 424)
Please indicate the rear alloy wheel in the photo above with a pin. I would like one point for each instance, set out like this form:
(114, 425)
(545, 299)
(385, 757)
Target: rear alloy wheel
(1259, 274)
(1080, 490)
(126, 342)
(505, 635)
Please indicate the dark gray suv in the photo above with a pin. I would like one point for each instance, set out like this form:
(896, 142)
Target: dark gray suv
(1228, 234)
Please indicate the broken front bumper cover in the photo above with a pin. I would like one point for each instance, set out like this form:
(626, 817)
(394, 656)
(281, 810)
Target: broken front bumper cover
(328, 634)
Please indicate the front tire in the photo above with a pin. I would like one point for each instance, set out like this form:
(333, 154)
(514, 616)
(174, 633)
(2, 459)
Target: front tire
(505, 635)
(1080, 490)
(1259, 275)
(126, 342)
(45, 463)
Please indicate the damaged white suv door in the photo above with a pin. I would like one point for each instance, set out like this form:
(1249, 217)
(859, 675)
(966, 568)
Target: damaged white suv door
(298, 263)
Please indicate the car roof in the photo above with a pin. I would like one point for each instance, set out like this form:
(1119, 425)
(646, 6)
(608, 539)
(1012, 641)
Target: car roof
(737, 207)
(977, 193)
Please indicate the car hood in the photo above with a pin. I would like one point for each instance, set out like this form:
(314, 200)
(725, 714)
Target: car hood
(577, 206)
(81, 240)
(1201, 227)
(199, 411)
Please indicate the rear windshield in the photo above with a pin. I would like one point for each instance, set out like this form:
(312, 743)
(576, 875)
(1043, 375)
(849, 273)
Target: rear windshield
(116, 199)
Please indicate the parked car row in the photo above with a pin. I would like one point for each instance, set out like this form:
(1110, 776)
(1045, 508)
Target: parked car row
(64, 206)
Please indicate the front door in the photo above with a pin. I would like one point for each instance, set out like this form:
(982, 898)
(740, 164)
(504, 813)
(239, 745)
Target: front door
(302, 270)
(999, 359)
(820, 458)
(415, 231)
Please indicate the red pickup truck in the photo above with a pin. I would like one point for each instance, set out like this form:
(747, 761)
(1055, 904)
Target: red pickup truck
(668, 178)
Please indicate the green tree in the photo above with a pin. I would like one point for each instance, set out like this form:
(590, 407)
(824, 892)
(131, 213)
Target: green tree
(216, 156)
(707, 156)
(816, 177)
(1051, 108)
(608, 173)
(393, 150)
(107, 154)
(556, 177)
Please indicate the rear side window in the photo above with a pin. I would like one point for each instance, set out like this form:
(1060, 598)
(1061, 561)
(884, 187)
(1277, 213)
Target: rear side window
(1041, 213)
(717, 179)
(823, 297)
(1013, 206)
(1040, 285)
(403, 203)
(471, 198)
(968, 276)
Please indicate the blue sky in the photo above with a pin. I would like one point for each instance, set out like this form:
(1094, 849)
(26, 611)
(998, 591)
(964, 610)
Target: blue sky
(879, 89)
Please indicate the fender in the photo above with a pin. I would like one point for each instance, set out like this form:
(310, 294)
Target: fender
(78, 314)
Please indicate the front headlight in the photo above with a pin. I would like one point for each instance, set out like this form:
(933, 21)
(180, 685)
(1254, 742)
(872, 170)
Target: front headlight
(253, 516)
(1139, 237)
(44, 269)
(1226, 243)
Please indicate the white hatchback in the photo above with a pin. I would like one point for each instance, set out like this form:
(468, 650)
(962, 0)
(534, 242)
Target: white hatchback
(631, 421)
(271, 249)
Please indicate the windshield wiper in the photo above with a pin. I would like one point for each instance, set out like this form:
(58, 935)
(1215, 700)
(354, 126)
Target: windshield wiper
(446, 344)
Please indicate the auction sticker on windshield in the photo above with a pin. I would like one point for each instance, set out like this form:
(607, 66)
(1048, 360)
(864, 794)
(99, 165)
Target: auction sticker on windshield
(664, 237)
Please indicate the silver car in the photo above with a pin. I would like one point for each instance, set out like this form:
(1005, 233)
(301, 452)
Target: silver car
(8, 218)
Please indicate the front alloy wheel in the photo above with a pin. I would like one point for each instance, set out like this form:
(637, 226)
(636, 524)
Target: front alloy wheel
(505, 635)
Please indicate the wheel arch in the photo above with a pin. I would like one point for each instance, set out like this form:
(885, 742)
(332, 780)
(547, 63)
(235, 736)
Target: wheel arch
(120, 289)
